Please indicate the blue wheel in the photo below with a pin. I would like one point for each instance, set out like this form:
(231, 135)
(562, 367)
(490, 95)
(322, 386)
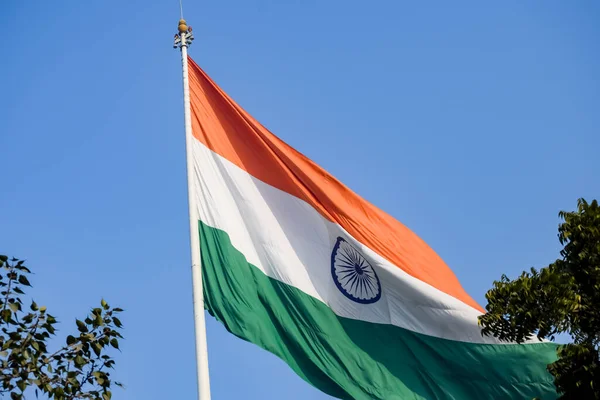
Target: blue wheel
(353, 275)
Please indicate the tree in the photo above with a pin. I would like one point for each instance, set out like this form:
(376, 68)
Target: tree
(77, 370)
(563, 297)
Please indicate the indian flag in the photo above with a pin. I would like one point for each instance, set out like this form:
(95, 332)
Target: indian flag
(352, 300)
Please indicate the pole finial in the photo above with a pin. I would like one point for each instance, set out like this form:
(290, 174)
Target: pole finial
(184, 35)
(182, 26)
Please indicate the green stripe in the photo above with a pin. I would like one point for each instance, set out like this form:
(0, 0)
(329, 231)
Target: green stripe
(352, 359)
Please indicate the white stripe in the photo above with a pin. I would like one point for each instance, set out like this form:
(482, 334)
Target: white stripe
(291, 242)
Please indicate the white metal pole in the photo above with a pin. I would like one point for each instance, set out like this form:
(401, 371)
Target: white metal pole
(185, 38)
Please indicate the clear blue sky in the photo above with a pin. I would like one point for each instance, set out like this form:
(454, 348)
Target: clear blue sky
(473, 123)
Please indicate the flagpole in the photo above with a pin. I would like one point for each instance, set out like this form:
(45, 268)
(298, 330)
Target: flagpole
(183, 39)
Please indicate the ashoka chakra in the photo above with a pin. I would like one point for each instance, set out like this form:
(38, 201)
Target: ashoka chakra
(353, 274)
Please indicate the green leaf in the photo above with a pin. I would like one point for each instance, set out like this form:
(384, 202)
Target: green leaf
(23, 268)
(79, 361)
(71, 340)
(34, 306)
(6, 315)
(22, 385)
(117, 322)
(114, 343)
(81, 326)
(104, 304)
(97, 348)
(23, 280)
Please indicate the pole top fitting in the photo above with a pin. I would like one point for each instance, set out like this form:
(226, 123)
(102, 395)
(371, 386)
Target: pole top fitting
(184, 36)
(182, 26)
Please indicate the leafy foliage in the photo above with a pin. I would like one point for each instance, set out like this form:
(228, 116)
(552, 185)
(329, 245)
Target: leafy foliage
(78, 370)
(564, 297)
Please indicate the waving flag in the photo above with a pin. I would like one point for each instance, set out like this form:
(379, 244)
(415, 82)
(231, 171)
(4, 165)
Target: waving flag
(352, 300)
